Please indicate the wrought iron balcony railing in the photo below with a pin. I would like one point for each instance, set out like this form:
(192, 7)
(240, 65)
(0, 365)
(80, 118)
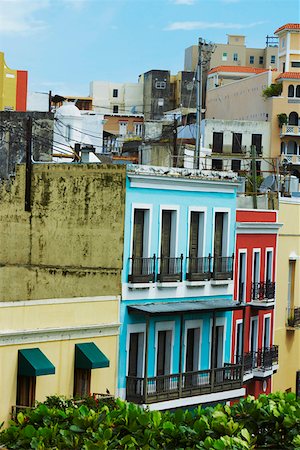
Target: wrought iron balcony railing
(293, 317)
(170, 269)
(142, 270)
(262, 359)
(188, 384)
(223, 267)
(199, 268)
(263, 292)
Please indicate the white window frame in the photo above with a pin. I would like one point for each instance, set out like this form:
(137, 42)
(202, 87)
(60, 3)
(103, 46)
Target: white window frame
(242, 251)
(148, 207)
(223, 210)
(190, 324)
(164, 326)
(273, 59)
(266, 316)
(269, 250)
(237, 322)
(138, 128)
(224, 56)
(204, 211)
(135, 328)
(174, 244)
(235, 57)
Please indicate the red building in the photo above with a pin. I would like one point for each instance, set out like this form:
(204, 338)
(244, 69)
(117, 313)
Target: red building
(254, 285)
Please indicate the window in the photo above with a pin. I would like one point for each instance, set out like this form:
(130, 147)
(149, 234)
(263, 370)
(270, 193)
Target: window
(292, 148)
(291, 285)
(196, 243)
(239, 342)
(235, 57)
(237, 142)
(217, 145)
(291, 91)
(273, 59)
(256, 140)
(168, 234)
(140, 241)
(236, 165)
(283, 67)
(269, 265)
(256, 267)
(164, 332)
(160, 84)
(136, 355)
(298, 91)
(251, 59)
(25, 391)
(192, 350)
(217, 164)
(296, 64)
(261, 60)
(123, 128)
(115, 109)
(138, 128)
(224, 56)
(242, 277)
(82, 382)
(115, 92)
(293, 118)
(253, 335)
(267, 332)
(220, 234)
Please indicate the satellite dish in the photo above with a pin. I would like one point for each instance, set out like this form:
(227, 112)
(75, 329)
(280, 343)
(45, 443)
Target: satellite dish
(270, 183)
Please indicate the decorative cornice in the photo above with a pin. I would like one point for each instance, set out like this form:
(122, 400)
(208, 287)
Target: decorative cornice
(258, 227)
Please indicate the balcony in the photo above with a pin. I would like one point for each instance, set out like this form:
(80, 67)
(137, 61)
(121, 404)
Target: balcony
(142, 270)
(293, 317)
(259, 362)
(263, 292)
(170, 269)
(223, 268)
(199, 269)
(289, 130)
(182, 385)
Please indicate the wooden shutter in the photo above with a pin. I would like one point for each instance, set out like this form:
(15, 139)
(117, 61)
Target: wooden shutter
(133, 354)
(138, 233)
(218, 242)
(194, 234)
(166, 234)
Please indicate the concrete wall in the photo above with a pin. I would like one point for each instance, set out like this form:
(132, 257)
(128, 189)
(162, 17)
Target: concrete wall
(130, 95)
(71, 243)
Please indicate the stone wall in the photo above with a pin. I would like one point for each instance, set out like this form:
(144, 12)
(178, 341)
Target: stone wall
(71, 242)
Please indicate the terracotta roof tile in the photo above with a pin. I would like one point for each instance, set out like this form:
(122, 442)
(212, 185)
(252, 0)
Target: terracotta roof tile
(288, 26)
(240, 69)
(290, 75)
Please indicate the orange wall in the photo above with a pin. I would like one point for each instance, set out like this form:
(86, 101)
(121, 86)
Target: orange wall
(21, 96)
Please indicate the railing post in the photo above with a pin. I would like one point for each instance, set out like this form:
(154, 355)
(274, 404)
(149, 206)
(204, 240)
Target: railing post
(180, 357)
(209, 263)
(154, 268)
(146, 361)
(181, 266)
(213, 352)
(232, 265)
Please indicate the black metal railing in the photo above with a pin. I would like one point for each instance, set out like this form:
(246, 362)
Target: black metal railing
(170, 269)
(199, 268)
(263, 291)
(262, 359)
(142, 270)
(180, 385)
(223, 267)
(293, 317)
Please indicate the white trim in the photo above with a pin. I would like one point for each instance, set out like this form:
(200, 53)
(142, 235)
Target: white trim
(10, 337)
(198, 399)
(189, 324)
(237, 322)
(59, 301)
(135, 328)
(269, 250)
(242, 251)
(176, 209)
(258, 227)
(145, 207)
(203, 238)
(223, 210)
(168, 325)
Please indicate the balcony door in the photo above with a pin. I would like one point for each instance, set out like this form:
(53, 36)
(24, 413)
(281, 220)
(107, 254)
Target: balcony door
(267, 332)
(168, 242)
(239, 342)
(140, 242)
(242, 276)
(163, 361)
(269, 265)
(136, 355)
(196, 241)
(254, 339)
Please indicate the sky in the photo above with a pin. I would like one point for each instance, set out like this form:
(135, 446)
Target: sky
(65, 44)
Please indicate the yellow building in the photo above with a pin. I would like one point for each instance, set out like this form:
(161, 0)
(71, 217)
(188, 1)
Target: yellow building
(287, 316)
(13, 87)
(60, 282)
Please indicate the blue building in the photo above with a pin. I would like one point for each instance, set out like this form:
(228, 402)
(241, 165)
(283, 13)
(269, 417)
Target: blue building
(177, 288)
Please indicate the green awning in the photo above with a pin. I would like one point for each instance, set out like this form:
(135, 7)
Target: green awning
(32, 362)
(88, 356)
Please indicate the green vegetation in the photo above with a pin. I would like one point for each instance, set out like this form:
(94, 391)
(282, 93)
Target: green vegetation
(274, 90)
(271, 421)
(282, 119)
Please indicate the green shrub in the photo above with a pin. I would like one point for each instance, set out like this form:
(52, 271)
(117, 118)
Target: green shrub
(274, 90)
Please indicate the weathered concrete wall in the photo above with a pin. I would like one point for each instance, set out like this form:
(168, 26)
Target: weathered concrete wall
(71, 243)
(13, 128)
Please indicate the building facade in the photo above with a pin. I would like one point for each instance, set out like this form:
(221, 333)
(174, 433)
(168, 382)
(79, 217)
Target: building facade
(13, 87)
(117, 98)
(255, 286)
(60, 282)
(177, 289)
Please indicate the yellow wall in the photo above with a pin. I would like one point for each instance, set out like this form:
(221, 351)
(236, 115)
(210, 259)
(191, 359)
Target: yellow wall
(288, 340)
(8, 85)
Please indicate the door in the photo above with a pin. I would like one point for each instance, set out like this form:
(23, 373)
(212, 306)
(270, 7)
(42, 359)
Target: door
(163, 361)
(166, 234)
(237, 142)
(138, 241)
(136, 362)
(253, 340)
(242, 277)
(256, 140)
(267, 329)
(239, 343)
(256, 276)
(219, 353)
(192, 355)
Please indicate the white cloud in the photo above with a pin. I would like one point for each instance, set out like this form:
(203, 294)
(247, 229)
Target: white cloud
(18, 16)
(188, 26)
(184, 2)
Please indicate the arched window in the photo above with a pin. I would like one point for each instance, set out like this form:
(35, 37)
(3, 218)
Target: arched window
(291, 90)
(293, 118)
(292, 148)
(298, 91)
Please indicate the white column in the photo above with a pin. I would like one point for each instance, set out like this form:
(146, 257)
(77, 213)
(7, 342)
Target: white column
(287, 54)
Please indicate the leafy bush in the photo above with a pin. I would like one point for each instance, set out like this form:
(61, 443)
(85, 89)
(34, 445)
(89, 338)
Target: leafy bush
(269, 422)
(274, 90)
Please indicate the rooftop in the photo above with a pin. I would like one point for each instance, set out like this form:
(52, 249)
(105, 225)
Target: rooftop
(288, 26)
(237, 69)
(289, 75)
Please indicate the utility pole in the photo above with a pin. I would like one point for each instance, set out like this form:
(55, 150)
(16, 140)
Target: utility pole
(205, 49)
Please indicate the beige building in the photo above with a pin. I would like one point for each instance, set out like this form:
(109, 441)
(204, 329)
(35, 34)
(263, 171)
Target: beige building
(235, 53)
(287, 317)
(60, 281)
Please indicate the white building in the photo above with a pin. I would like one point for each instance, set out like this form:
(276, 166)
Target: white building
(118, 98)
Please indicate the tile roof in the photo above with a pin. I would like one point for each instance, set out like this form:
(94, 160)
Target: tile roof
(289, 75)
(288, 26)
(239, 69)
